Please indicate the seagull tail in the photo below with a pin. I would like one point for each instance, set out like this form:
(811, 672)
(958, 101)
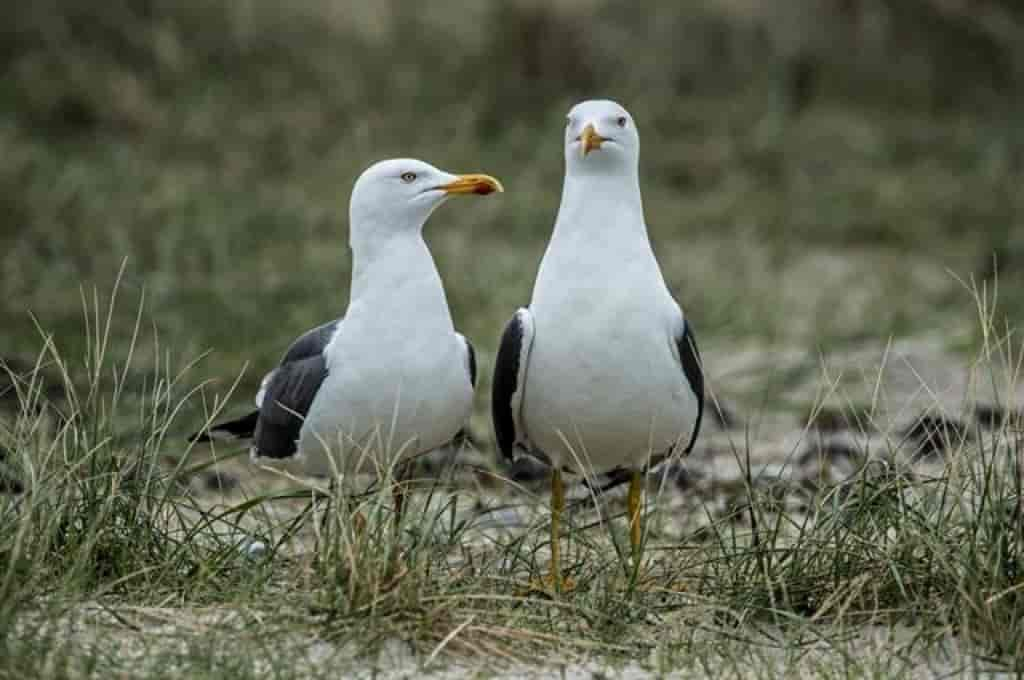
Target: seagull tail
(619, 476)
(242, 428)
(608, 480)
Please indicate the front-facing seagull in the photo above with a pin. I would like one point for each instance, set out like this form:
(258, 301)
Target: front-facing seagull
(391, 378)
(601, 372)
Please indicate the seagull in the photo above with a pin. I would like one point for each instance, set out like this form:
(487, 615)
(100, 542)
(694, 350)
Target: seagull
(391, 378)
(600, 374)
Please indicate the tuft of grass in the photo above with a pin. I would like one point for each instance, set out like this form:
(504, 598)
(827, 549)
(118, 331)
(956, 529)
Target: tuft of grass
(108, 535)
(101, 513)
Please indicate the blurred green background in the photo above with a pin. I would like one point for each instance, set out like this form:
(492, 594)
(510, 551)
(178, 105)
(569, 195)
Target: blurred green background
(816, 173)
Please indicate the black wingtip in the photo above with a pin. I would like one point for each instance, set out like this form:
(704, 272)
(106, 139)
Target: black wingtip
(693, 368)
(611, 479)
(504, 385)
(242, 428)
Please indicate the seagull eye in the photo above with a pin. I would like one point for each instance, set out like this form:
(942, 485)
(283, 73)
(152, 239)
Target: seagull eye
(568, 122)
(622, 121)
(408, 177)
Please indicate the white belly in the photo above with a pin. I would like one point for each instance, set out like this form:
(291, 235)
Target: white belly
(376, 409)
(594, 402)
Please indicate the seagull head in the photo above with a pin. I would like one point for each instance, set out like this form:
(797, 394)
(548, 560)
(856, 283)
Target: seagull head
(401, 193)
(600, 137)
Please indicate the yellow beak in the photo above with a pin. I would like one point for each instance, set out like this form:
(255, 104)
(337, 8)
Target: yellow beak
(473, 184)
(589, 139)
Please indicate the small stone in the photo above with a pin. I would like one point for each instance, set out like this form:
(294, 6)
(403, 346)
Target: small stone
(254, 550)
(220, 481)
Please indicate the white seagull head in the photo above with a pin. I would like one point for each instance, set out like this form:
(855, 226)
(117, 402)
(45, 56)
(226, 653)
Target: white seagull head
(600, 138)
(401, 193)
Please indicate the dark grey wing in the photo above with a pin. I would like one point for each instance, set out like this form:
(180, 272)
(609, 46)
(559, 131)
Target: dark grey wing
(510, 380)
(311, 343)
(470, 359)
(286, 401)
(689, 357)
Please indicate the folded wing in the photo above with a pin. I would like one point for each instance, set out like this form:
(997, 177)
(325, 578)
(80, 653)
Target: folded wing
(510, 380)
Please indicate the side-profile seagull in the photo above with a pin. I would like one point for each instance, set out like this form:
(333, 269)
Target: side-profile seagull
(391, 378)
(601, 373)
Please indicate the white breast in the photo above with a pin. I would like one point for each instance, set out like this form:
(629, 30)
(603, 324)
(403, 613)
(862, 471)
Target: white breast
(605, 386)
(384, 401)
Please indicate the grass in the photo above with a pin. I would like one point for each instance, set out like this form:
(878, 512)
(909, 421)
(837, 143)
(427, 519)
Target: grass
(111, 566)
(178, 154)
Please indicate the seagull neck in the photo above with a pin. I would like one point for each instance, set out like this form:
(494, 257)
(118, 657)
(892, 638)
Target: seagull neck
(595, 201)
(396, 272)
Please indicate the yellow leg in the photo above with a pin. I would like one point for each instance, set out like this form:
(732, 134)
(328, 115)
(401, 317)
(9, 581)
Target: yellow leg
(557, 507)
(555, 583)
(634, 505)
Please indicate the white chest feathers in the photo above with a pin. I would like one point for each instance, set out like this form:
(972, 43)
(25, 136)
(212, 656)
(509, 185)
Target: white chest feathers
(381, 402)
(604, 395)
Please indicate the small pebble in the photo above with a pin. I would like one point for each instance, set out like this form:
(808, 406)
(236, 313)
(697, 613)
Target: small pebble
(220, 481)
(254, 550)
